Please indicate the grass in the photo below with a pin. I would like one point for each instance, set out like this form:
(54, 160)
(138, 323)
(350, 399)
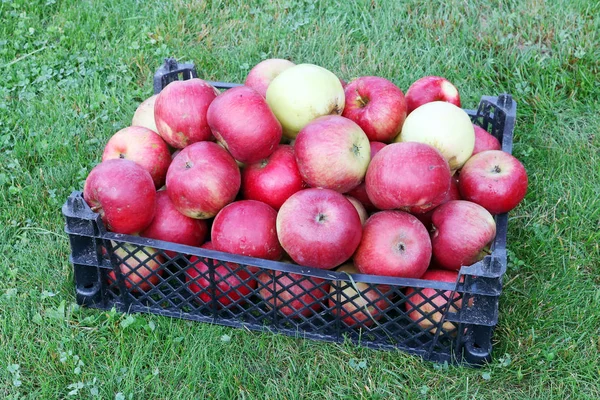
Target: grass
(73, 72)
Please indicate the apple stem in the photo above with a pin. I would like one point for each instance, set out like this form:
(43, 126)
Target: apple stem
(496, 169)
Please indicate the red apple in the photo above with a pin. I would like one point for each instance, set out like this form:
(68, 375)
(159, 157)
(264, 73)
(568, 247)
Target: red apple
(453, 194)
(410, 176)
(332, 152)
(261, 75)
(360, 209)
(427, 306)
(377, 106)
(232, 281)
(123, 193)
(493, 179)
(274, 179)
(244, 124)
(142, 146)
(292, 295)
(318, 228)
(462, 233)
(394, 243)
(484, 141)
(140, 266)
(360, 303)
(172, 226)
(144, 114)
(431, 88)
(202, 179)
(360, 192)
(247, 227)
(180, 112)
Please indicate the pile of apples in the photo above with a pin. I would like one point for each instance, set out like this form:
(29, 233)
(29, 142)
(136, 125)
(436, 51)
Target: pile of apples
(298, 166)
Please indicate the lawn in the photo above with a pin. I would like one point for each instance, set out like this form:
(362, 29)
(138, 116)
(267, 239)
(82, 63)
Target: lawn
(73, 73)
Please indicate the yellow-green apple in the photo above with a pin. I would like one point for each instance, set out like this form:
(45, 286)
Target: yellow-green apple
(360, 209)
(260, 76)
(394, 243)
(426, 306)
(232, 281)
(172, 226)
(247, 227)
(180, 112)
(318, 228)
(123, 193)
(377, 106)
(443, 126)
(431, 88)
(144, 114)
(409, 176)
(202, 179)
(142, 146)
(332, 152)
(495, 180)
(244, 124)
(302, 93)
(273, 179)
(140, 267)
(360, 303)
(461, 234)
(292, 295)
(484, 141)
(360, 192)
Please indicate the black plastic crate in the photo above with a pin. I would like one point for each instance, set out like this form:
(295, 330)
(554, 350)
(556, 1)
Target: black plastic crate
(182, 281)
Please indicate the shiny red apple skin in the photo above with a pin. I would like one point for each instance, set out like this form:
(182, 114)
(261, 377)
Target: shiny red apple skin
(180, 112)
(142, 146)
(172, 226)
(261, 75)
(431, 88)
(360, 192)
(408, 176)
(453, 194)
(484, 141)
(495, 180)
(202, 179)
(141, 267)
(318, 228)
(274, 179)
(377, 106)
(394, 243)
(123, 193)
(244, 124)
(461, 230)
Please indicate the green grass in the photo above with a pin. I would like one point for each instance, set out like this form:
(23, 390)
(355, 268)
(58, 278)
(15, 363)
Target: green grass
(73, 72)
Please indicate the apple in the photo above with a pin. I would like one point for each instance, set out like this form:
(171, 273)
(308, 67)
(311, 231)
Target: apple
(377, 106)
(302, 93)
(144, 114)
(232, 281)
(244, 124)
(360, 209)
(247, 227)
(142, 146)
(444, 126)
(318, 228)
(360, 303)
(274, 179)
(292, 295)
(172, 226)
(180, 112)
(453, 194)
(360, 192)
(332, 152)
(410, 176)
(495, 180)
(260, 76)
(427, 306)
(431, 88)
(123, 193)
(484, 141)
(203, 179)
(140, 266)
(394, 243)
(462, 233)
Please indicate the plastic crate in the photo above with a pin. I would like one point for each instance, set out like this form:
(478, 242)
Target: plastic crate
(462, 335)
